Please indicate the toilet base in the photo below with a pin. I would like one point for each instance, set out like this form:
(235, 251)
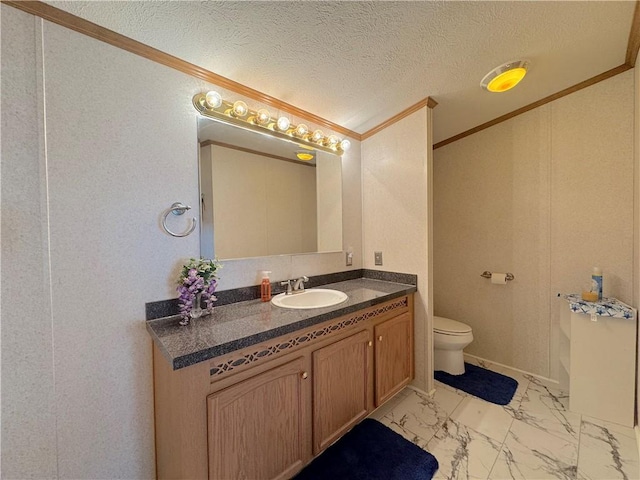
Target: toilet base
(450, 361)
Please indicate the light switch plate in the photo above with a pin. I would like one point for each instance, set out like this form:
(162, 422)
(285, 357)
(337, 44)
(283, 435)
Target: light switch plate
(378, 258)
(349, 257)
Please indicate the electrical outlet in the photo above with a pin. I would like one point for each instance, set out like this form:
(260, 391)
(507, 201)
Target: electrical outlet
(378, 258)
(349, 258)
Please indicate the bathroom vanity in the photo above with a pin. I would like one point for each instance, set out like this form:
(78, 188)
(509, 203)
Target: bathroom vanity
(256, 391)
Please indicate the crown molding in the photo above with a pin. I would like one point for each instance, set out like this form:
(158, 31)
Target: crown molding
(425, 102)
(85, 27)
(80, 25)
(633, 45)
(567, 91)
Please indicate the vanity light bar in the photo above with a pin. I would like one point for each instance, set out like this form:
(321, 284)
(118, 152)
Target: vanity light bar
(212, 105)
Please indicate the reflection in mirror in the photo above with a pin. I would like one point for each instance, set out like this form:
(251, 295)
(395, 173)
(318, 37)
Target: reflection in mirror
(257, 198)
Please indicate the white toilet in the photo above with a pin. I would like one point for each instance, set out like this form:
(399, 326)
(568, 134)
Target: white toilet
(450, 337)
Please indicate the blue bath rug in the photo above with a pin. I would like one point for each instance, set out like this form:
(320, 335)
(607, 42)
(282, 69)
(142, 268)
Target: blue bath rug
(371, 451)
(482, 383)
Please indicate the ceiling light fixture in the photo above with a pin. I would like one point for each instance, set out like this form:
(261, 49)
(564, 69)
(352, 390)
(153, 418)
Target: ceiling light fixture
(212, 105)
(305, 155)
(505, 77)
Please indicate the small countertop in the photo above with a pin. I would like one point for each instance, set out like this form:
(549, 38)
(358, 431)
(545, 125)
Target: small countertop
(239, 325)
(607, 307)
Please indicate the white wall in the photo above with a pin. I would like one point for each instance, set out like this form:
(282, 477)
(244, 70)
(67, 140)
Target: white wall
(28, 391)
(545, 195)
(396, 187)
(636, 243)
(90, 159)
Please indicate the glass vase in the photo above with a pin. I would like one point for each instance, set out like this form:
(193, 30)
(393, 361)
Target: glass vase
(196, 310)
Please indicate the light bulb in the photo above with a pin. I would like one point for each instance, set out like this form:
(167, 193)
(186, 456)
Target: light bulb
(317, 136)
(345, 145)
(333, 140)
(262, 116)
(213, 99)
(240, 109)
(283, 124)
(301, 130)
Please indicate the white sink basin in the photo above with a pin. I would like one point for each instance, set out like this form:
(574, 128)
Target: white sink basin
(313, 298)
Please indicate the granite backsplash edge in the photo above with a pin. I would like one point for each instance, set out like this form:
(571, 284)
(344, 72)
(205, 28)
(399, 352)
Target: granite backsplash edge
(169, 307)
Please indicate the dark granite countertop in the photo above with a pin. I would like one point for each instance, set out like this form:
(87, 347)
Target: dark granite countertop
(239, 325)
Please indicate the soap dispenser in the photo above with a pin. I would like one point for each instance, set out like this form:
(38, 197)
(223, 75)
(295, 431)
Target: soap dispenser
(265, 286)
(596, 282)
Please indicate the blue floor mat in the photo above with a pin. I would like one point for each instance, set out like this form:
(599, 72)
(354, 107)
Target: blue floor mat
(371, 451)
(482, 383)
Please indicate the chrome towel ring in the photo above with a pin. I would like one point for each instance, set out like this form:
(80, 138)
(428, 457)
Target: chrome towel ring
(177, 209)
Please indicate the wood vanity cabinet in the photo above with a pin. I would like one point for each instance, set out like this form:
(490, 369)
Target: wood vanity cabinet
(341, 388)
(263, 412)
(394, 356)
(260, 426)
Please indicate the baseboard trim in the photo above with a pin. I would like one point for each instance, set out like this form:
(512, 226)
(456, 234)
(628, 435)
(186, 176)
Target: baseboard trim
(636, 429)
(423, 392)
(540, 377)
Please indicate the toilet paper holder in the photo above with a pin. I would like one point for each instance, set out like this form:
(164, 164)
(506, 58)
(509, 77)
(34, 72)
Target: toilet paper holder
(487, 274)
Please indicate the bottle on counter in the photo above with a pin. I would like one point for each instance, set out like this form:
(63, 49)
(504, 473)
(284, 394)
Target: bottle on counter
(265, 286)
(596, 282)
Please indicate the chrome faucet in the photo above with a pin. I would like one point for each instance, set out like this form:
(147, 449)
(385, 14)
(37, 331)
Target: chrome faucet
(288, 284)
(298, 285)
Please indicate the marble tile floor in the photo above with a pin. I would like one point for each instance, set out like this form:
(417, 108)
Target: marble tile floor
(533, 437)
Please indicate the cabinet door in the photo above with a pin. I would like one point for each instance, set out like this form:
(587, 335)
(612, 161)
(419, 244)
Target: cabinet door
(394, 356)
(603, 368)
(341, 388)
(259, 428)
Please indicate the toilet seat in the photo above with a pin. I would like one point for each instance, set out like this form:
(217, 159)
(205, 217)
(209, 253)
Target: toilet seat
(446, 326)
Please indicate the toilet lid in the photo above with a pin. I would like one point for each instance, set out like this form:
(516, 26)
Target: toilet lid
(451, 327)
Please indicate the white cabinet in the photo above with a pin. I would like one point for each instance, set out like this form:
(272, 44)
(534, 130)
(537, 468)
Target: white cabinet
(598, 358)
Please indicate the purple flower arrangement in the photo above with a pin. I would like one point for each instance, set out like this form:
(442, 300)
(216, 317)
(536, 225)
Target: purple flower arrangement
(197, 283)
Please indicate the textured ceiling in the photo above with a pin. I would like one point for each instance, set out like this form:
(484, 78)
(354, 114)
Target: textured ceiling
(359, 63)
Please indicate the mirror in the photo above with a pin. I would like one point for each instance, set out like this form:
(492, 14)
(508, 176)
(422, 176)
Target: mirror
(257, 198)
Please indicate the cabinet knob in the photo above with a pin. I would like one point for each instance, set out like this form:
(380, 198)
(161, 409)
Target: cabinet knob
(380, 338)
(304, 375)
(370, 343)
